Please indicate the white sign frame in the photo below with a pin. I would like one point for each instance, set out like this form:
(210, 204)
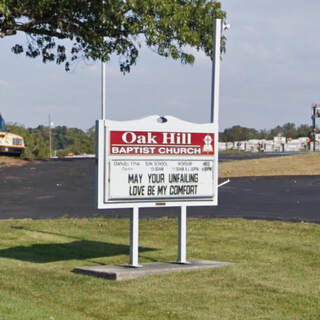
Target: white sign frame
(150, 124)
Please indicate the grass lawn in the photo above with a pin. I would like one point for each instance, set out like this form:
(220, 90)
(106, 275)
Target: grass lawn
(276, 271)
(307, 164)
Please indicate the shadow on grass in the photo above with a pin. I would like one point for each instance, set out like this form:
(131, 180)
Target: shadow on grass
(77, 250)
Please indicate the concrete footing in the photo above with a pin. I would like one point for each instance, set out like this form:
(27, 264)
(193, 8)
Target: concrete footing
(125, 272)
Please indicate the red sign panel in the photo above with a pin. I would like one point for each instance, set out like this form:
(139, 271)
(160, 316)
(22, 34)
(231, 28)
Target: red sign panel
(161, 143)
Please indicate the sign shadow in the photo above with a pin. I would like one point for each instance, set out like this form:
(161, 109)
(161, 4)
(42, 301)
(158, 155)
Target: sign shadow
(80, 249)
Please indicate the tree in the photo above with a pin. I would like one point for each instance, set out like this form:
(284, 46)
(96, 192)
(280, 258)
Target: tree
(238, 133)
(65, 140)
(290, 130)
(304, 130)
(263, 134)
(277, 131)
(100, 28)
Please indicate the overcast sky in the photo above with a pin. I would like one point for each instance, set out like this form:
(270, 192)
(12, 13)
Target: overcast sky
(270, 75)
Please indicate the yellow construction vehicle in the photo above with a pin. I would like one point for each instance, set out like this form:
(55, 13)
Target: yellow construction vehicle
(10, 143)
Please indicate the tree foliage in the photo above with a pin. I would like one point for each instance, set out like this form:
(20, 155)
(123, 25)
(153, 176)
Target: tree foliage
(238, 133)
(99, 28)
(64, 140)
(73, 140)
(288, 130)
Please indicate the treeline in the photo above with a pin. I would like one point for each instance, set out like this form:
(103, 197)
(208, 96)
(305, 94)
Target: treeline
(288, 130)
(64, 141)
(76, 141)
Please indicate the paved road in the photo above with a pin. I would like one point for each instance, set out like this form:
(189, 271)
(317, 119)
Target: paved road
(66, 188)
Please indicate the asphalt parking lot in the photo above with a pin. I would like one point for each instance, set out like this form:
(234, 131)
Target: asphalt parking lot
(52, 189)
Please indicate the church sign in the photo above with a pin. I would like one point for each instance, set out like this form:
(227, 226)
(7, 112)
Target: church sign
(150, 163)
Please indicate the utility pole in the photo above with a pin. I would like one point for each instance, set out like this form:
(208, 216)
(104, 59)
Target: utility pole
(50, 138)
(315, 114)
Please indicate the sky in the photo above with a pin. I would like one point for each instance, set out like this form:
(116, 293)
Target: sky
(269, 76)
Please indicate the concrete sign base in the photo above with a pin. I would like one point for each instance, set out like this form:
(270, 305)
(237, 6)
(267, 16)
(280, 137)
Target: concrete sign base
(124, 272)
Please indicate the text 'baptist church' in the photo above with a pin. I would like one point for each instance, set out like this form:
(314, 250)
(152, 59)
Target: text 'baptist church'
(161, 143)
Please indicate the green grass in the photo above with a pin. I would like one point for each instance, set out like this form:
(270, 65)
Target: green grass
(276, 271)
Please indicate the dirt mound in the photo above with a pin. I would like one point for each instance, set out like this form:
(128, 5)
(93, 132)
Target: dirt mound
(11, 161)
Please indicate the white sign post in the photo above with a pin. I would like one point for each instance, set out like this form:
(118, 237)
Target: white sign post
(182, 251)
(159, 161)
(134, 238)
